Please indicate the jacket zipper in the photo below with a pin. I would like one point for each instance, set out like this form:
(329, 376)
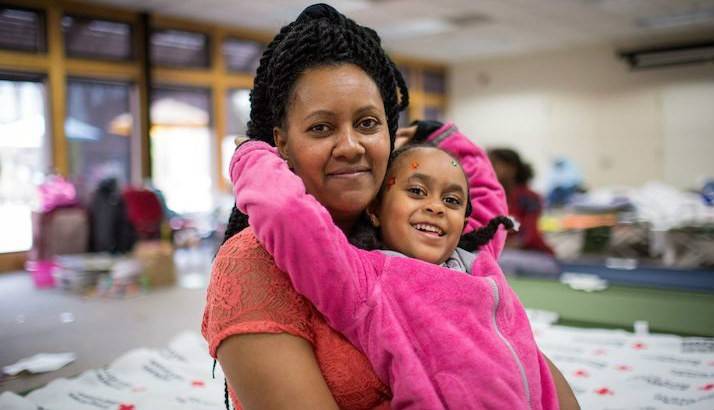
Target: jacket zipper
(524, 378)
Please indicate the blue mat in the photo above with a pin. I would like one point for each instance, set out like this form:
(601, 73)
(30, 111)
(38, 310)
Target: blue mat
(684, 279)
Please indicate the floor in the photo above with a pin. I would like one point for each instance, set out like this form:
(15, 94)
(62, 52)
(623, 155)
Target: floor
(97, 329)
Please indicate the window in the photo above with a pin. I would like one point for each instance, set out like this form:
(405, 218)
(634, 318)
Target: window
(22, 29)
(434, 82)
(182, 148)
(23, 159)
(238, 106)
(98, 128)
(404, 118)
(433, 113)
(407, 75)
(242, 55)
(93, 38)
(175, 48)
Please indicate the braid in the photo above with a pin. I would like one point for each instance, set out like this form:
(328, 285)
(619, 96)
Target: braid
(236, 223)
(257, 124)
(320, 36)
(475, 239)
(226, 398)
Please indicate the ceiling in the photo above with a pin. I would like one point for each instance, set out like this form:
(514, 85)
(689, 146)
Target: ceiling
(456, 30)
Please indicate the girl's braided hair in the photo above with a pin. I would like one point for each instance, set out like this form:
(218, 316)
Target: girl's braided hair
(320, 36)
(470, 241)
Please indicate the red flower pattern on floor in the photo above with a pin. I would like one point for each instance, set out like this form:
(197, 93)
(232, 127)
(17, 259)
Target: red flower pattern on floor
(623, 368)
(198, 383)
(581, 373)
(707, 387)
(639, 346)
(604, 391)
(123, 406)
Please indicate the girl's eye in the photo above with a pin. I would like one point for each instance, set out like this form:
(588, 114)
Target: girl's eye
(415, 190)
(452, 201)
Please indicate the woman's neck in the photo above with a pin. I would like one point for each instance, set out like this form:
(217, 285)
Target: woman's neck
(345, 222)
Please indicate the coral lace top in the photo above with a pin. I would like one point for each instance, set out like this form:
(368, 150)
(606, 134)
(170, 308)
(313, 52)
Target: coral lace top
(249, 294)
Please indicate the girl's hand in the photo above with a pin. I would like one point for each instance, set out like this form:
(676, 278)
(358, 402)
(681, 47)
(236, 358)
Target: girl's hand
(404, 135)
(240, 140)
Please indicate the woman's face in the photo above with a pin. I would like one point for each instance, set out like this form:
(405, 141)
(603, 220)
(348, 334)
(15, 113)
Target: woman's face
(336, 138)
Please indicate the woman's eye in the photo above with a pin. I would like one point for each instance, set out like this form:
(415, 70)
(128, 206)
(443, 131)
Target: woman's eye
(368, 123)
(319, 129)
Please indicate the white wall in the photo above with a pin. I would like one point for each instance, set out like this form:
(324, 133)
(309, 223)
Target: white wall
(620, 127)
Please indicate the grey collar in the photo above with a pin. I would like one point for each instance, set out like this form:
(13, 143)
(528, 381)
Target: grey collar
(459, 260)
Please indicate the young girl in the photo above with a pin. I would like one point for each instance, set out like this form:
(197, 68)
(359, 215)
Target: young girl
(441, 338)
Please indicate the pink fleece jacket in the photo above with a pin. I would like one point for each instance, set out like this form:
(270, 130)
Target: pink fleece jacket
(439, 338)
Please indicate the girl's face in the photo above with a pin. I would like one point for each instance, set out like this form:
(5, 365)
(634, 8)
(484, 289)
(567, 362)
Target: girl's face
(336, 138)
(423, 208)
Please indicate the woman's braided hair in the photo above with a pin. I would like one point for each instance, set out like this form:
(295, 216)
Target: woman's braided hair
(470, 241)
(320, 36)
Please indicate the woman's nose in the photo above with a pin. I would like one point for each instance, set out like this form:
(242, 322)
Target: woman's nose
(348, 145)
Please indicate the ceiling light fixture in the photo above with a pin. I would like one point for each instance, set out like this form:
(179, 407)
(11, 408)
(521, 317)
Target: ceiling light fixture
(669, 56)
(416, 28)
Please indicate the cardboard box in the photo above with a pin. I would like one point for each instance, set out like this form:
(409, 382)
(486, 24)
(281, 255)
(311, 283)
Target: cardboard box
(157, 261)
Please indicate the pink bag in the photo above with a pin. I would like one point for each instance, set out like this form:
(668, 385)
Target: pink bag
(56, 192)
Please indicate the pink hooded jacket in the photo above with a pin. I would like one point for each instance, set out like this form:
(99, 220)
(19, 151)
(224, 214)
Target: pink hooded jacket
(439, 338)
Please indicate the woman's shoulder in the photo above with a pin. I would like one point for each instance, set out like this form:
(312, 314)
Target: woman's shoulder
(244, 264)
(248, 293)
(241, 245)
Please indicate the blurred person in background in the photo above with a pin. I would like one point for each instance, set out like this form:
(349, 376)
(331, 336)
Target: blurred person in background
(526, 250)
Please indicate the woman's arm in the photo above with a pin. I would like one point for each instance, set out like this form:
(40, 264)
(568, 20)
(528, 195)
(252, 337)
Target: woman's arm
(274, 371)
(301, 235)
(488, 198)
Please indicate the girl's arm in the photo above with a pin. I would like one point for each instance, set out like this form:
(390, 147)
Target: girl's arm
(488, 198)
(300, 234)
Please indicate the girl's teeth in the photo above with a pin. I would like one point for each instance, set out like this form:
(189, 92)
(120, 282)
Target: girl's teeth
(428, 228)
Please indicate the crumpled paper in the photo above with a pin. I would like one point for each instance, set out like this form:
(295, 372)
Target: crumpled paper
(583, 281)
(40, 363)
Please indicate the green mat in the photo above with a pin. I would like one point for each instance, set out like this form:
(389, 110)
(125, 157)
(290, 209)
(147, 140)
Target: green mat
(678, 312)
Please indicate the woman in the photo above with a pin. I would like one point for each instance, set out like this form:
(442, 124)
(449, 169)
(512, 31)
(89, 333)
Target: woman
(526, 251)
(326, 92)
(328, 96)
(524, 204)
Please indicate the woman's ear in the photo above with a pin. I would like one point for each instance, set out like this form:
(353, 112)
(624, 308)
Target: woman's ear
(372, 213)
(281, 143)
